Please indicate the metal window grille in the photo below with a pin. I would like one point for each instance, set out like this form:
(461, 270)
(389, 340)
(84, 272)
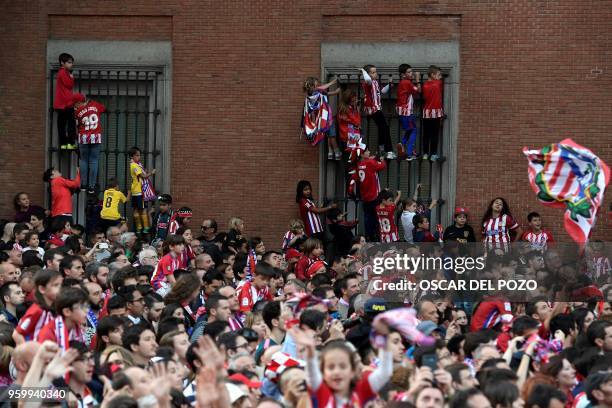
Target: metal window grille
(399, 175)
(134, 101)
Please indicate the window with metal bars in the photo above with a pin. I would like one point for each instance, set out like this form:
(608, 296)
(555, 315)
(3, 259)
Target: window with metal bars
(134, 101)
(399, 174)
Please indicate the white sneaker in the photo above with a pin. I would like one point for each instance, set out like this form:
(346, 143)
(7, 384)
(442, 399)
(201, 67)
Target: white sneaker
(390, 156)
(338, 155)
(330, 155)
(425, 157)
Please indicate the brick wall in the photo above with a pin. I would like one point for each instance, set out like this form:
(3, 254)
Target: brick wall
(532, 73)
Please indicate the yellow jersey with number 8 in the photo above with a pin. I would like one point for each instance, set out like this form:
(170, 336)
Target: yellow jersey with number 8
(110, 204)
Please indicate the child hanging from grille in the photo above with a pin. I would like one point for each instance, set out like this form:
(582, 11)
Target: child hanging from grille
(433, 113)
(63, 103)
(317, 119)
(409, 87)
(372, 107)
(142, 191)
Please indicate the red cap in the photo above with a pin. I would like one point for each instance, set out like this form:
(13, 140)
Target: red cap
(461, 210)
(243, 379)
(314, 267)
(292, 253)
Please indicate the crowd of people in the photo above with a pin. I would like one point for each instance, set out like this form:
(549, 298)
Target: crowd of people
(154, 313)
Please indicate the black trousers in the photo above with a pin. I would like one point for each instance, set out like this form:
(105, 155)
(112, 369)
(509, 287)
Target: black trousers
(384, 134)
(370, 220)
(431, 134)
(66, 126)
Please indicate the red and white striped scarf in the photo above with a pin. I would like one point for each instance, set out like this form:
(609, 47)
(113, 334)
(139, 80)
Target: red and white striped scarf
(148, 192)
(64, 336)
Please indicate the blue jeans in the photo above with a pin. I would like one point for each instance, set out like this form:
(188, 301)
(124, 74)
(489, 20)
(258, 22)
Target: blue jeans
(89, 163)
(408, 124)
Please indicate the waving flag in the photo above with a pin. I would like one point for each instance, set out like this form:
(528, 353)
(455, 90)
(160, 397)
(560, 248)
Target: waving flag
(568, 175)
(317, 119)
(403, 320)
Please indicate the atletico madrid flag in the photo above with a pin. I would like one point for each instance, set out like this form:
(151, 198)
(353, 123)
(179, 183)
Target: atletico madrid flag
(317, 119)
(570, 176)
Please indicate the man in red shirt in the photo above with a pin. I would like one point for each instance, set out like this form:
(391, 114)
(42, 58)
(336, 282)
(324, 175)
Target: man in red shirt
(61, 192)
(366, 175)
(88, 116)
(63, 103)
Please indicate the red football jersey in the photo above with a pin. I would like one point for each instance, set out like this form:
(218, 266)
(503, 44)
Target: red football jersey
(89, 122)
(352, 117)
(386, 220)
(369, 185)
(248, 295)
(540, 241)
(405, 97)
(432, 98)
(496, 232)
(33, 321)
(311, 220)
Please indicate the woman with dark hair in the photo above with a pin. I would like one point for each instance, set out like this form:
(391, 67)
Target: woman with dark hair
(23, 208)
(558, 372)
(309, 212)
(583, 317)
(184, 291)
(499, 228)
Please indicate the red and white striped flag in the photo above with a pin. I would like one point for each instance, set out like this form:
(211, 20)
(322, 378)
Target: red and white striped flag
(569, 176)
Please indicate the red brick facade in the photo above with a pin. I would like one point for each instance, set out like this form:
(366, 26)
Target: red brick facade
(532, 73)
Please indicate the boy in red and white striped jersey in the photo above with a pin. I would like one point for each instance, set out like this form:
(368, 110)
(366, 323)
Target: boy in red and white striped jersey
(386, 216)
(535, 235)
(406, 92)
(433, 112)
(372, 107)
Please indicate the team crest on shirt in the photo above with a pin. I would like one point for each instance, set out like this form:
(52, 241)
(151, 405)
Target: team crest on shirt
(466, 233)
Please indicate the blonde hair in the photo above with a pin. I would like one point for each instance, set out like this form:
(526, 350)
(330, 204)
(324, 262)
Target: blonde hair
(5, 358)
(310, 84)
(296, 224)
(234, 221)
(249, 321)
(126, 355)
(167, 339)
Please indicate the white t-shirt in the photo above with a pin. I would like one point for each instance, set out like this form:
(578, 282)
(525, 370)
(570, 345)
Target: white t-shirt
(407, 225)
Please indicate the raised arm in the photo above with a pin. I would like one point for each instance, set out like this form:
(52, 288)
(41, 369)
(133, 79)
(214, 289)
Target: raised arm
(321, 210)
(306, 342)
(366, 76)
(327, 85)
(415, 196)
(397, 197)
